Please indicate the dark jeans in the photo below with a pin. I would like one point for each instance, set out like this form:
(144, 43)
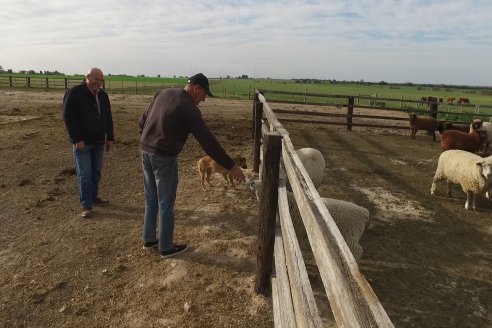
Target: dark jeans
(160, 184)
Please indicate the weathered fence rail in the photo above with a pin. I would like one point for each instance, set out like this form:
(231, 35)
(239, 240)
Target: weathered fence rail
(365, 101)
(352, 300)
(351, 117)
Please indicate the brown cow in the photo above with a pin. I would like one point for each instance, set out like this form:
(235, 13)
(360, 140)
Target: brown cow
(451, 99)
(463, 101)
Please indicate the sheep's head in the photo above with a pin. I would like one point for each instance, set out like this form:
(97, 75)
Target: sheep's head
(476, 125)
(255, 186)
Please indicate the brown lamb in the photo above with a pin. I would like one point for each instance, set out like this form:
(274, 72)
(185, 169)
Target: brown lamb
(454, 139)
(423, 123)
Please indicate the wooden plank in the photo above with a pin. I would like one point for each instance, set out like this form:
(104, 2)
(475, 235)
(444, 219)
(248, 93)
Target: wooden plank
(267, 211)
(283, 310)
(305, 309)
(353, 302)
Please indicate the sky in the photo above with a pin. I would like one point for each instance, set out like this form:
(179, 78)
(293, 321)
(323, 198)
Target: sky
(399, 41)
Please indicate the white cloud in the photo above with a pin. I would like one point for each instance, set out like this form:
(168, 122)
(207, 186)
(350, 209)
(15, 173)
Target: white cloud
(421, 41)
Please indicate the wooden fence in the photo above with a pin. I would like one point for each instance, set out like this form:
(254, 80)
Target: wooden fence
(280, 261)
(348, 115)
(54, 83)
(127, 86)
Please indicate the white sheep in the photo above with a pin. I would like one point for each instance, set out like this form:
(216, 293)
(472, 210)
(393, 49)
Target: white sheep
(470, 171)
(486, 128)
(314, 163)
(350, 218)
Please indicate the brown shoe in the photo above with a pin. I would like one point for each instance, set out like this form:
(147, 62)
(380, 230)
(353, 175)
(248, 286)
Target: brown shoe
(100, 202)
(86, 213)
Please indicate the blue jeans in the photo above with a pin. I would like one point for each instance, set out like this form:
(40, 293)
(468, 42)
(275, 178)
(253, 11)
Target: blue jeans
(160, 184)
(88, 163)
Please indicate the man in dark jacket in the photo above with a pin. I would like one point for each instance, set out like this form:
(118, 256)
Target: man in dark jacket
(171, 116)
(89, 123)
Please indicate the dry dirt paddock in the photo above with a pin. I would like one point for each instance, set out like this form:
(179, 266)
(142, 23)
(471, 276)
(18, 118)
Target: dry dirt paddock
(427, 259)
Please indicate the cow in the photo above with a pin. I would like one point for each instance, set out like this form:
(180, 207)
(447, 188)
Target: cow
(451, 99)
(463, 101)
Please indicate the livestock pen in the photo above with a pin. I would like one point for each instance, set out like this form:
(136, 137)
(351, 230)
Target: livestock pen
(384, 113)
(280, 261)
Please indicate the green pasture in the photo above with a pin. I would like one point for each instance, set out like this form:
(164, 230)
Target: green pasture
(381, 95)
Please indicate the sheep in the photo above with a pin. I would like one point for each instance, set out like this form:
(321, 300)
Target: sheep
(486, 130)
(351, 219)
(455, 126)
(314, 163)
(471, 171)
(453, 139)
(423, 123)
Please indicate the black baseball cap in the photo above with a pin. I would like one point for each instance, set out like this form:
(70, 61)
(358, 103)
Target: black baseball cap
(201, 80)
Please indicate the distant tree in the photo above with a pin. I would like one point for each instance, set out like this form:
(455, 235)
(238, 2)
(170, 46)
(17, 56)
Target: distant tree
(1, 69)
(158, 75)
(10, 71)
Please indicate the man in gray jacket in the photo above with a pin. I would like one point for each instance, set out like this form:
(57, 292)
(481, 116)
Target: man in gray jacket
(171, 116)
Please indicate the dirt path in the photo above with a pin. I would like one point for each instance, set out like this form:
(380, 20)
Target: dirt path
(427, 259)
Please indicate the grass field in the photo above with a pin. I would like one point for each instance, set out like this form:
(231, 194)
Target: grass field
(383, 95)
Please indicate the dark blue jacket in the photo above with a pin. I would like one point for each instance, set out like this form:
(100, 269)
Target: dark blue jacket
(83, 120)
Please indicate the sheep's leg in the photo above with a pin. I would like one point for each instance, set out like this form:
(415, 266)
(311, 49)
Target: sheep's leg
(450, 188)
(470, 200)
(434, 185)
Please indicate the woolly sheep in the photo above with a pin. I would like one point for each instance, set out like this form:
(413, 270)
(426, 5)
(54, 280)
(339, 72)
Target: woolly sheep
(423, 123)
(486, 128)
(314, 163)
(454, 139)
(351, 219)
(455, 126)
(470, 171)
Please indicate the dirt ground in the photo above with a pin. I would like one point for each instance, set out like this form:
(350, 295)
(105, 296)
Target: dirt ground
(427, 259)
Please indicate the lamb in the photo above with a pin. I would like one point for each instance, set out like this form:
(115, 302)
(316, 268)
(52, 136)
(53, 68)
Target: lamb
(486, 129)
(314, 163)
(453, 139)
(471, 171)
(424, 123)
(455, 126)
(351, 220)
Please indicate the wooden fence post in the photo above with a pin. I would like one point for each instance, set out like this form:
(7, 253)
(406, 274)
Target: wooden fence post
(10, 81)
(257, 132)
(47, 83)
(253, 120)
(350, 112)
(267, 212)
(66, 83)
